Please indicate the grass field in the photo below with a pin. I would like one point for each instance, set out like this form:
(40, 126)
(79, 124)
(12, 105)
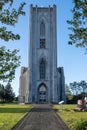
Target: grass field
(11, 114)
(70, 117)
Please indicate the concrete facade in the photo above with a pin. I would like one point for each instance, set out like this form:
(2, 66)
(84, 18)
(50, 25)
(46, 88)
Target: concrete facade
(42, 81)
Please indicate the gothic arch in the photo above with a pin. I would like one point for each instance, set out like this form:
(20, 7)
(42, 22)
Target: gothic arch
(41, 85)
(42, 93)
(43, 18)
(43, 56)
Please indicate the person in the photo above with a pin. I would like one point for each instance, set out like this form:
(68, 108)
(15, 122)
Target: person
(85, 99)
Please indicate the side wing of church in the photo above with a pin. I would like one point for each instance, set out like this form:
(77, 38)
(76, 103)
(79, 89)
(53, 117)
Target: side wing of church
(42, 81)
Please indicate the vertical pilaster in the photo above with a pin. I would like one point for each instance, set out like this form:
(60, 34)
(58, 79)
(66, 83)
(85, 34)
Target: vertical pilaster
(54, 55)
(30, 52)
(49, 55)
(36, 37)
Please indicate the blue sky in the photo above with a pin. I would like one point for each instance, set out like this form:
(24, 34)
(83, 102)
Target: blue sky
(74, 60)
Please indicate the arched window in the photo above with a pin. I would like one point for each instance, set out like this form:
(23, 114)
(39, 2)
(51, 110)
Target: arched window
(42, 29)
(42, 69)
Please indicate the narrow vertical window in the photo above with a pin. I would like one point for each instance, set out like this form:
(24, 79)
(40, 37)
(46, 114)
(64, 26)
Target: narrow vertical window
(42, 69)
(42, 29)
(42, 35)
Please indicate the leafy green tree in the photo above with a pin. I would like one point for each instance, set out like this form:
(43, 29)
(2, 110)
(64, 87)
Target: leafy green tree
(2, 93)
(6, 93)
(67, 90)
(9, 17)
(83, 85)
(69, 96)
(72, 88)
(9, 60)
(75, 88)
(75, 85)
(78, 24)
(9, 94)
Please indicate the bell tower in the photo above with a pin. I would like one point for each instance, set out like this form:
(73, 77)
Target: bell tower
(44, 79)
(43, 54)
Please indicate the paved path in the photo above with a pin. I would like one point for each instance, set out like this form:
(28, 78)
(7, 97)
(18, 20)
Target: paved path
(41, 117)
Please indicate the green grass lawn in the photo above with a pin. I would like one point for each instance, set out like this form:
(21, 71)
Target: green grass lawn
(10, 114)
(70, 117)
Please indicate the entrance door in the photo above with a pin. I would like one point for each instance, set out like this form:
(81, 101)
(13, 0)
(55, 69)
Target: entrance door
(42, 94)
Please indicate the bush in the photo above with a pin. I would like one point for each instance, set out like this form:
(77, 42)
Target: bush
(81, 125)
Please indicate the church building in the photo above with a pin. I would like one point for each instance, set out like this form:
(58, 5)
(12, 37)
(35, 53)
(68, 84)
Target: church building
(42, 81)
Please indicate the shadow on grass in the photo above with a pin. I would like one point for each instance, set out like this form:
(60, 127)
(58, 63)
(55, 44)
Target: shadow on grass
(14, 110)
(23, 110)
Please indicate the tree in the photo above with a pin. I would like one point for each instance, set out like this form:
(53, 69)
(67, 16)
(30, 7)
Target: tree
(72, 88)
(78, 24)
(9, 16)
(75, 88)
(83, 85)
(69, 96)
(6, 93)
(9, 60)
(67, 90)
(2, 92)
(9, 94)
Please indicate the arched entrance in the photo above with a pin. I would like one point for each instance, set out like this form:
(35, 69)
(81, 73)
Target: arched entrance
(42, 94)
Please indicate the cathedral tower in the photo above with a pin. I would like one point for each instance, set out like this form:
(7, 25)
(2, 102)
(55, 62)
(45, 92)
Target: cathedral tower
(44, 80)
